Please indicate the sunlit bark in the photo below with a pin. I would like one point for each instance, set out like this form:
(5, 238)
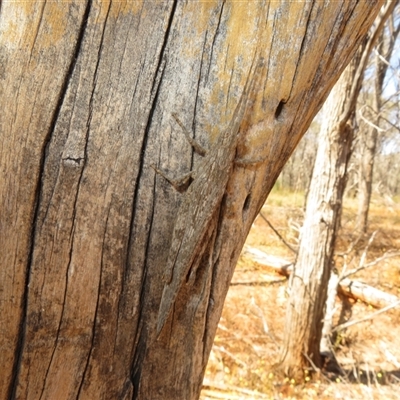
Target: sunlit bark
(87, 93)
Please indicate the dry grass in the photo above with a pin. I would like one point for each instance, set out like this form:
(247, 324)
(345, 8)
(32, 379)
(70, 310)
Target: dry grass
(250, 333)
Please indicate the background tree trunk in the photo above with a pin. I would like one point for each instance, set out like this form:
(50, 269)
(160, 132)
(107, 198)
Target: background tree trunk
(87, 93)
(369, 134)
(311, 272)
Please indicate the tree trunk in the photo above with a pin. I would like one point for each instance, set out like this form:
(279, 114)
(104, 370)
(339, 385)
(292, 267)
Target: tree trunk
(369, 135)
(368, 139)
(87, 93)
(311, 272)
(325, 347)
(309, 280)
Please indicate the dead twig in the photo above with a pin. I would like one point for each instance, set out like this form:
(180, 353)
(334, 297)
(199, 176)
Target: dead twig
(264, 321)
(278, 234)
(387, 255)
(367, 121)
(371, 316)
(362, 258)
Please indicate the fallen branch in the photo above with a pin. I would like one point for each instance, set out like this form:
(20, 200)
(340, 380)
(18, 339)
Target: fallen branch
(257, 282)
(368, 294)
(280, 265)
(371, 316)
(348, 287)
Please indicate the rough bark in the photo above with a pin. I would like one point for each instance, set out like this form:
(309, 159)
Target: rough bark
(364, 191)
(325, 347)
(309, 280)
(87, 93)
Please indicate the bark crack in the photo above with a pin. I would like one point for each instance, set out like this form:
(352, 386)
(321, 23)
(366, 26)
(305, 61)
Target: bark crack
(339, 17)
(141, 349)
(38, 195)
(302, 48)
(164, 45)
(37, 29)
(133, 214)
(78, 186)
(67, 271)
(216, 251)
(96, 310)
(229, 89)
(135, 376)
(61, 316)
(215, 37)
(271, 42)
(197, 95)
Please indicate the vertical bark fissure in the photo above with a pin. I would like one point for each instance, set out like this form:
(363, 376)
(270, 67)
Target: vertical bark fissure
(96, 70)
(127, 262)
(159, 69)
(84, 160)
(329, 48)
(38, 28)
(302, 46)
(215, 37)
(38, 195)
(215, 249)
(140, 171)
(343, 17)
(72, 233)
(140, 342)
(229, 89)
(196, 99)
(165, 43)
(198, 84)
(94, 325)
(135, 376)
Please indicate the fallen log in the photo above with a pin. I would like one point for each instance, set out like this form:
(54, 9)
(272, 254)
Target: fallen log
(355, 289)
(278, 264)
(368, 294)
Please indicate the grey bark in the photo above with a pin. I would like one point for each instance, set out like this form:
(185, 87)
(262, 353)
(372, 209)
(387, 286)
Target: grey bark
(87, 93)
(311, 272)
